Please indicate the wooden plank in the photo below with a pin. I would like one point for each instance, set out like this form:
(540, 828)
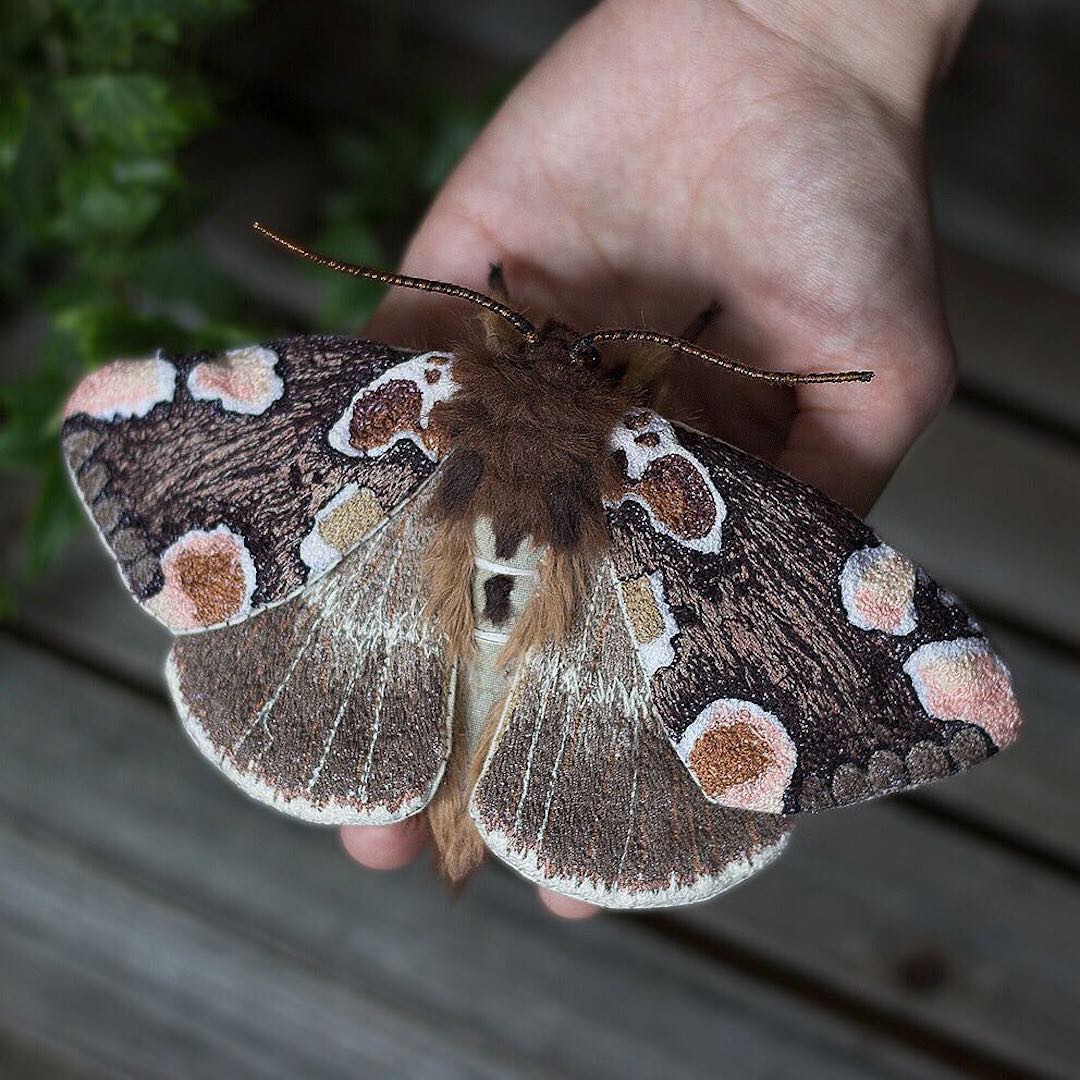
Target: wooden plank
(1016, 336)
(993, 513)
(29, 1057)
(82, 607)
(143, 986)
(156, 836)
(945, 930)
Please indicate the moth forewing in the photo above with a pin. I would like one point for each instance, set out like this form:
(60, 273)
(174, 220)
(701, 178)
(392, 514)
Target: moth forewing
(797, 662)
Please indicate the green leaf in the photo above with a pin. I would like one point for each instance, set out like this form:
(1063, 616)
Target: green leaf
(346, 303)
(177, 275)
(113, 33)
(104, 200)
(230, 335)
(20, 24)
(133, 114)
(39, 157)
(30, 417)
(451, 137)
(55, 519)
(102, 334)
(14, 113)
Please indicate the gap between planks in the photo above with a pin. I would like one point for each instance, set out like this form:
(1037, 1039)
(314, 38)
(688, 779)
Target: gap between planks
(204, 999)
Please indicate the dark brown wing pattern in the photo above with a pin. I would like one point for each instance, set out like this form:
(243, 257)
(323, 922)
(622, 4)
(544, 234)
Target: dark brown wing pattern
(223, 483)
(796, 661)
(338, 710)
(582, 793)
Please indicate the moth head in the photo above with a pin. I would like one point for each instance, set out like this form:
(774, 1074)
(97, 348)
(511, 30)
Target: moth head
(554, 349)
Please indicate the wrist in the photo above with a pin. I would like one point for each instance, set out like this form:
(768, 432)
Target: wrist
(897, 48)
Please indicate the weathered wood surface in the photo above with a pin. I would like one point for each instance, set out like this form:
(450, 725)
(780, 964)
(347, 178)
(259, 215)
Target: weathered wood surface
(206, 934)
(1018, 338)
(150, 989)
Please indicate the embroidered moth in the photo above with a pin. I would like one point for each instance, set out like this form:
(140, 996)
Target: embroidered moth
(499, 586)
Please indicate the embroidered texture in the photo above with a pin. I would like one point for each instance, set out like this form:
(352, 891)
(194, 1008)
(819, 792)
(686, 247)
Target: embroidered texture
(663, 645)
(340, 709)
(583, 794)
(172, 447)
(242, 380)
(804, 617)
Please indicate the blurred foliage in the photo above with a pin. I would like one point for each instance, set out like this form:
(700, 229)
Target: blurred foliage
(97, 219)
(387, 172)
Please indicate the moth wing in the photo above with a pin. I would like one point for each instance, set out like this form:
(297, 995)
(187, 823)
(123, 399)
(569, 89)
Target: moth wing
(582, 793)
(796, 661)
(223, 483)
(336, 706)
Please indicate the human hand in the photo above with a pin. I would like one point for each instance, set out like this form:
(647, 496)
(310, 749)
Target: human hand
(761, 153)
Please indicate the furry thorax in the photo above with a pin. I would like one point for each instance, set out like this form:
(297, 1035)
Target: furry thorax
(527, 437)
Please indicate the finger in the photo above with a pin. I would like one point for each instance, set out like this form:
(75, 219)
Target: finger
(385, 847)
(565, 907)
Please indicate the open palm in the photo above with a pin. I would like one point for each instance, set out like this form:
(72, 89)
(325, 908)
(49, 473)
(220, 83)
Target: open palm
(663, 156)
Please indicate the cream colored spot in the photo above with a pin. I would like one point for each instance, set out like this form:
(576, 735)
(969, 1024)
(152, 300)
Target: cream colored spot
(740, 755)
(348, 523)
(877, 586)
(965, 681)
(243, 380)
(651, 623)
(642, 609)
(340, 524)
(123, 389)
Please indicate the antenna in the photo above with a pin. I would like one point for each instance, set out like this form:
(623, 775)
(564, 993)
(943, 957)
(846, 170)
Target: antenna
(786, 378)
(403, 281)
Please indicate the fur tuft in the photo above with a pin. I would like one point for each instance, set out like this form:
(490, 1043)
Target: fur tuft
(563, 578)
(449, 566)
(456, 843)
(529, 433)
(531, 428)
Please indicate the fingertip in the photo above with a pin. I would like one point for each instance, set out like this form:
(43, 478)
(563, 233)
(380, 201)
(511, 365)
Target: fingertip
(384, 847)
(566, 907)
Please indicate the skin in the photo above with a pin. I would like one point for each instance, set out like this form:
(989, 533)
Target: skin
(764, 154)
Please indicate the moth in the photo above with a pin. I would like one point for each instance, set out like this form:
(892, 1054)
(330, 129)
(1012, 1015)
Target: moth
(497, 584)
